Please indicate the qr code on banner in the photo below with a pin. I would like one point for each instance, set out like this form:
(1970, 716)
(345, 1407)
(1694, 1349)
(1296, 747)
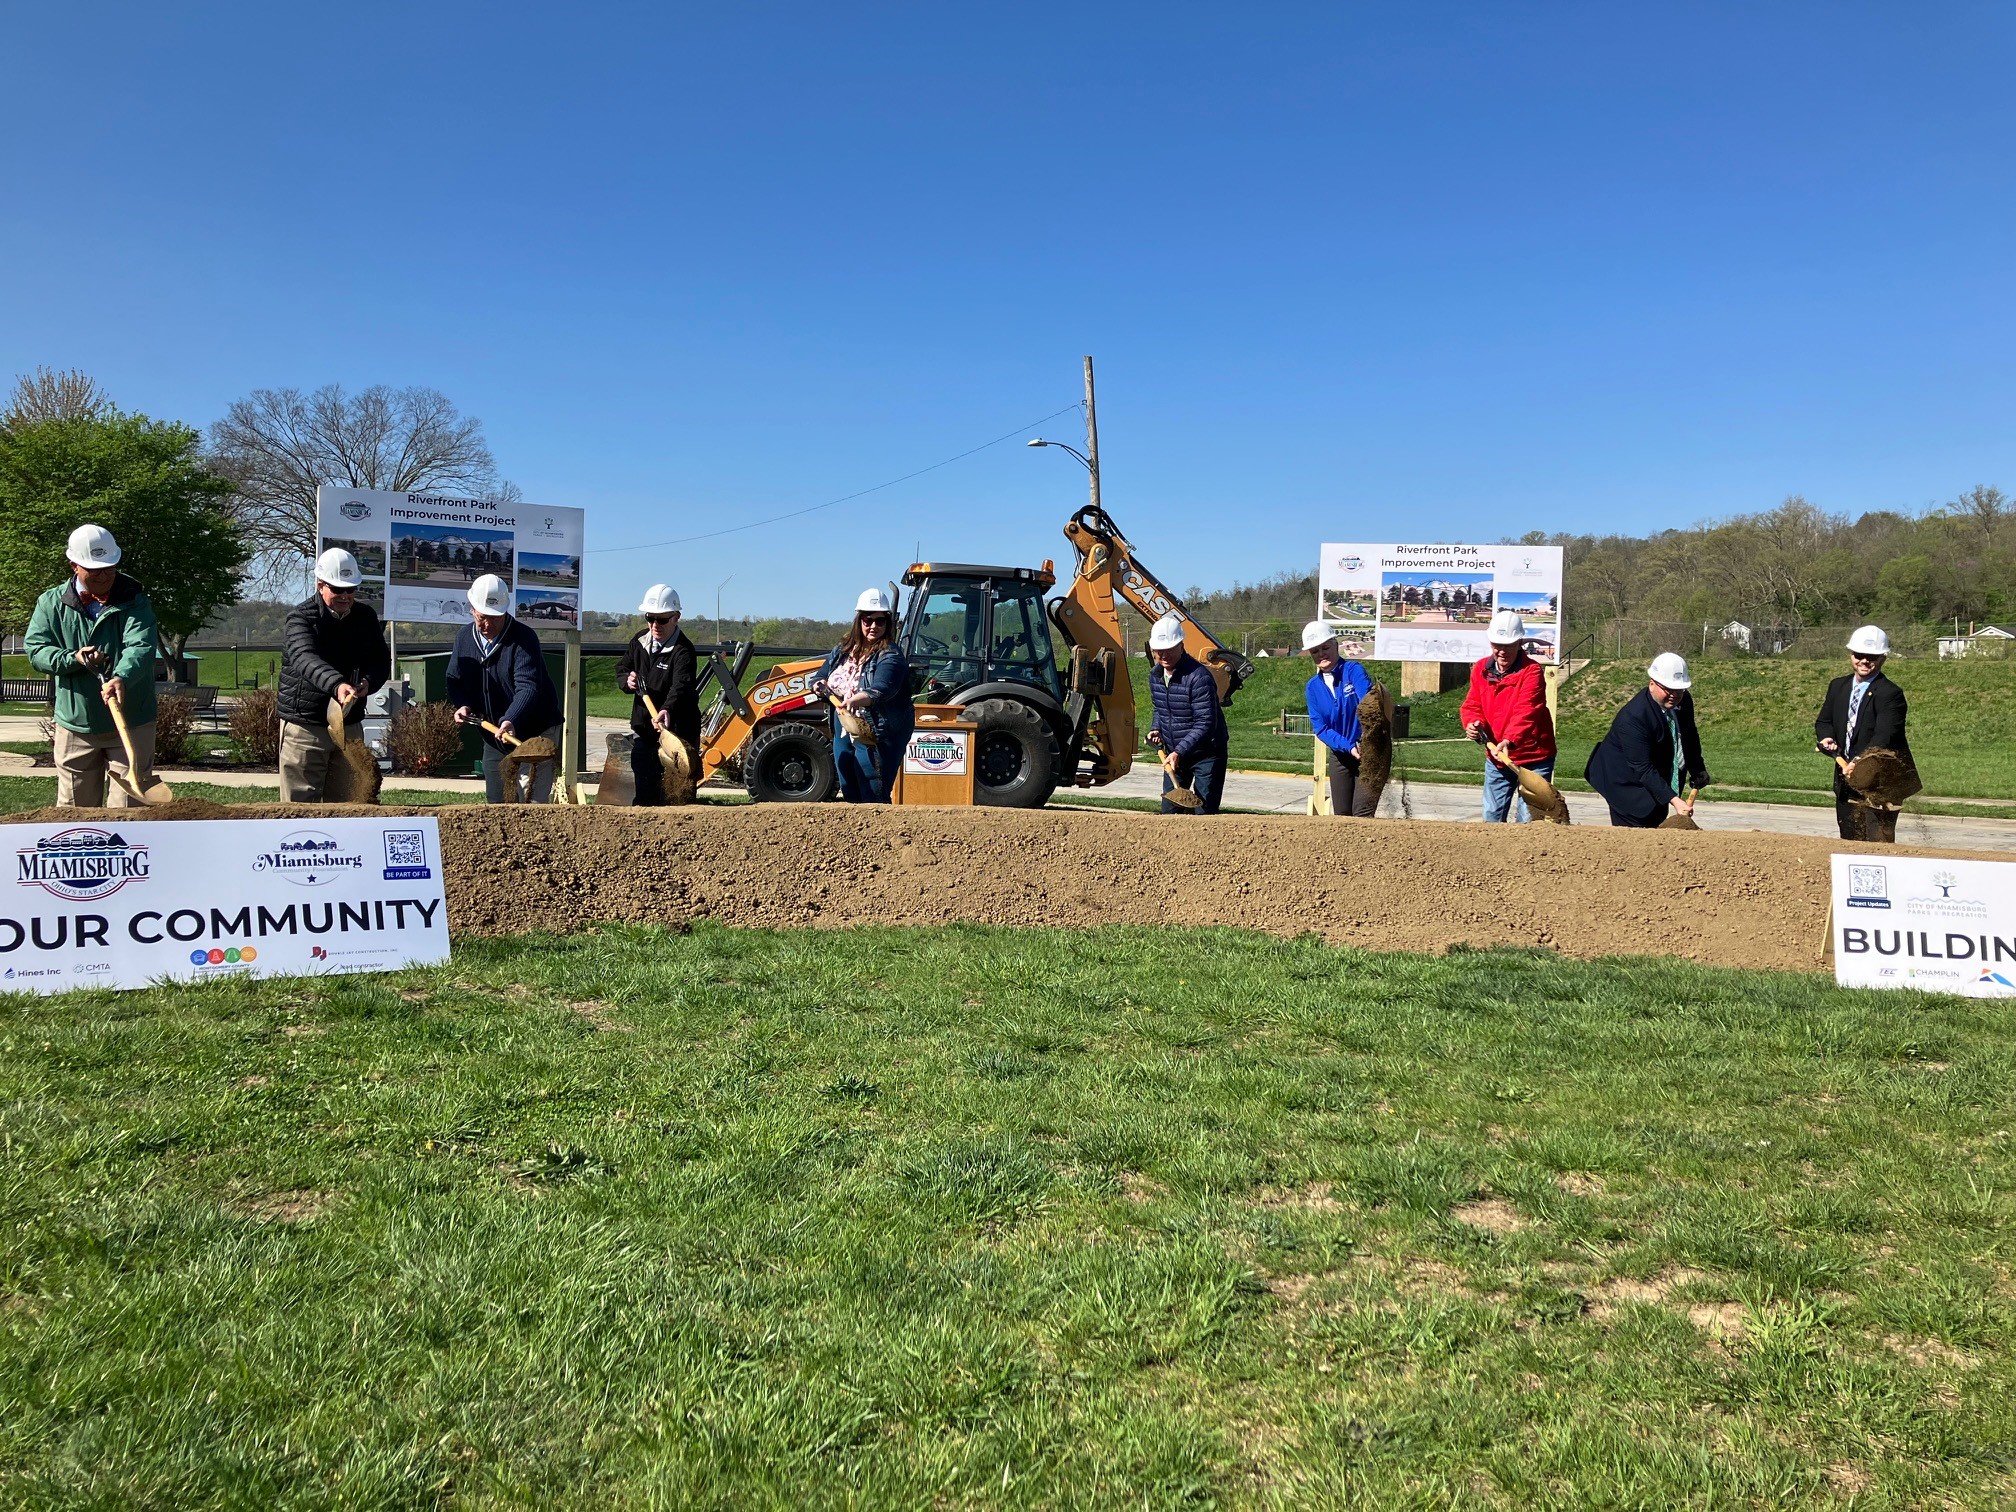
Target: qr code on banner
(405, 855)
(1868, 881)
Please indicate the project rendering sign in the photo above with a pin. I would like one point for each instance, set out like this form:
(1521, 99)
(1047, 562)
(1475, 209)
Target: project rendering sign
(1924, 922)
(118, 904)
(1434, 603)
(420, 552)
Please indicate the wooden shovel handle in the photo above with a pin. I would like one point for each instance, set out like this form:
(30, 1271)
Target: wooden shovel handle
(507, 739)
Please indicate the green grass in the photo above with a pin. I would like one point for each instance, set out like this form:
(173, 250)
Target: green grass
(902, 1218)
(19, 794)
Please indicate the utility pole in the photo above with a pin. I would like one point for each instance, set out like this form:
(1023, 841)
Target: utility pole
(1092, 433)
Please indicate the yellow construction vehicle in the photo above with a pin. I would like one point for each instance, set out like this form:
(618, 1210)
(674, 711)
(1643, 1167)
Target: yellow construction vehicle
(1044, 680)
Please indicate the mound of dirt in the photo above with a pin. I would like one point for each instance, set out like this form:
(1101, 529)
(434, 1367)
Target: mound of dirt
(1731, 899)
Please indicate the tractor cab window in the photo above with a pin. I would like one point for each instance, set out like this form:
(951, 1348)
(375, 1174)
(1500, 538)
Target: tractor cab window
(1020, 649)
(945, 640)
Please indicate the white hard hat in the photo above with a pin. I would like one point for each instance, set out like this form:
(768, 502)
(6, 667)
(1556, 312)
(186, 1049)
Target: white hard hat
(490, 594)
(1315, 633)
(93, 546)
(1507, 628)
(873, 601)
(1167, 634)
(1869, 640)
(338, 569)
(659, 599)
(1669, 670)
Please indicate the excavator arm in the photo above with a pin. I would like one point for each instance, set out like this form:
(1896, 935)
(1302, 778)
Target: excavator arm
(1089, 618)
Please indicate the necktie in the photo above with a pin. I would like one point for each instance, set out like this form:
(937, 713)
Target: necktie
(1854, 708)
(1673, 734)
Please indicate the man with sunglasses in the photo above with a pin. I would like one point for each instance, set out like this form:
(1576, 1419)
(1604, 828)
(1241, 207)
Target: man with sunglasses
(335, 649)
(660, 662)
(1863, 711)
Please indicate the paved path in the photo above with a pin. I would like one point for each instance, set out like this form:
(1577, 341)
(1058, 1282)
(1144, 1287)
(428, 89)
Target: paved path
(1270, 793)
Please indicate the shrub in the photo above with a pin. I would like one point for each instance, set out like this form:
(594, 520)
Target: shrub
(255, 726)
(174, 723)
(425, 739)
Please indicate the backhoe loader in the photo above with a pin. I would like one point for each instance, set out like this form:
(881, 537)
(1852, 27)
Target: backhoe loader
(1045, 680)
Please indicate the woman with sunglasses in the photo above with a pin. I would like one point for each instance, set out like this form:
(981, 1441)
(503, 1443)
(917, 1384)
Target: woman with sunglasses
(867, 674)
(335, 649)
(659, 663)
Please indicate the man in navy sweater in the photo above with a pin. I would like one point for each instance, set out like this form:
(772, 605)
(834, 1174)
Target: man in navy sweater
(497, 672)
(1189, 725)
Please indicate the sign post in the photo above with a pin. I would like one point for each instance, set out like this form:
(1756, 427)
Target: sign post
(1432, 605)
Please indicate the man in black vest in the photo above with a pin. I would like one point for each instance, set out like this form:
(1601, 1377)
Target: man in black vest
(335, 649)
(1652, 750)
(1863, 711)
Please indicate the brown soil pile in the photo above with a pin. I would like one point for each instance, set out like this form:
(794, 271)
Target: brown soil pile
(1731, 899)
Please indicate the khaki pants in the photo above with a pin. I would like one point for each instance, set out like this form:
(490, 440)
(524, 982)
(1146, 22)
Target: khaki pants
(537, 782)
(82, 760)
(311, 769)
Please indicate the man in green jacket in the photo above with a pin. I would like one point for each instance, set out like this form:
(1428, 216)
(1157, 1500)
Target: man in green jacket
(95, 636)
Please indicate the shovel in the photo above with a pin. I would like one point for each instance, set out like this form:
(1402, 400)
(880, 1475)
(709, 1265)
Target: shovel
(1182, 797)
(523, 753)
(858, 730)
(150, 789)
(1543, 799)
(675, 766)
(618, 787)
(353, 776)
(1681, 821)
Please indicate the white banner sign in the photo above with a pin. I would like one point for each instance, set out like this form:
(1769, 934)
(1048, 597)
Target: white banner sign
(1434, 603)
(420, 552)
(1917, 921)
(119, 904)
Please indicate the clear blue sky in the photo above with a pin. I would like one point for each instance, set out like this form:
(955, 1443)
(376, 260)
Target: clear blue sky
(1408, 271)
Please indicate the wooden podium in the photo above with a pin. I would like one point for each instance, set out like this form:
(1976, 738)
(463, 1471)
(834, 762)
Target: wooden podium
(937, 765)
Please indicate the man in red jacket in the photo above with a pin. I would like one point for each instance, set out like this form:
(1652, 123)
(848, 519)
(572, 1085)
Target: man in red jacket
(1506, 711)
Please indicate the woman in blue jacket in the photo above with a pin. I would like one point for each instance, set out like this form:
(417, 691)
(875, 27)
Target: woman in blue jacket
(497, 672)
(868, 673)
(1333, 695)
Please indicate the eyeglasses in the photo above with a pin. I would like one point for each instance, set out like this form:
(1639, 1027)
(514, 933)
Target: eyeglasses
(341, 592)
(1862, 656)
(659, 619)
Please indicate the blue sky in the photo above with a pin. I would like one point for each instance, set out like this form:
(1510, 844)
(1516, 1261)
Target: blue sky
(1397, 272)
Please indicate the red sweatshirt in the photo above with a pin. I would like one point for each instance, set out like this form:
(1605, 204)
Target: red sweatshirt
(1513, 708)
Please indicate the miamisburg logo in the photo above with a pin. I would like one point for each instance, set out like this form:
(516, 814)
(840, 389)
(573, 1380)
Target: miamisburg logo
(82, 864)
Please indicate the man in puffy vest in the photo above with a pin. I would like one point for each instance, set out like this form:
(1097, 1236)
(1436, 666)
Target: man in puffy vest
(335, 649)
(1505, 710)
(95, 635)
(1189, 724)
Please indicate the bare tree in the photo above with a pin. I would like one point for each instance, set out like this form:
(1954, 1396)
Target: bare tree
(278, 445)
(49, 395)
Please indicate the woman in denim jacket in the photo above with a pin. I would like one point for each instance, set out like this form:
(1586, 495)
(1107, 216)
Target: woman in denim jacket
(869, 675)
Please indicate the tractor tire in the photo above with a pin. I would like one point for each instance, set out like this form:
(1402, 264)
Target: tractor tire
(1015, 757)
(789, 761)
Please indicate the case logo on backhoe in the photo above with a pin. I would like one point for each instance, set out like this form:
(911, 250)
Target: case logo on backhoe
(786, 692)
(1150, 593)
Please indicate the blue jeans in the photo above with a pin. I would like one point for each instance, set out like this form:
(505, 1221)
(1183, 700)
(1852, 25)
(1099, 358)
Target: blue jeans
(1501, 787)
(1205, 776)
(861, 782)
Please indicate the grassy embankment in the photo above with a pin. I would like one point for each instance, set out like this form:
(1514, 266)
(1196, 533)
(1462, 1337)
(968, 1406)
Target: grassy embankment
(1026, 1218)
(1756, 726)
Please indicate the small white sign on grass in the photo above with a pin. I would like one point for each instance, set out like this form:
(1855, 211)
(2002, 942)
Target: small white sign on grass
(120, 902)
(1918, 921)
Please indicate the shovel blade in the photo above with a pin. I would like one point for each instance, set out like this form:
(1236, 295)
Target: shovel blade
(1184, 798)
(618, 788)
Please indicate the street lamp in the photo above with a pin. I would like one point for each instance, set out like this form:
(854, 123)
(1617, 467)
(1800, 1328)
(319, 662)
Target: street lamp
(1065, 446)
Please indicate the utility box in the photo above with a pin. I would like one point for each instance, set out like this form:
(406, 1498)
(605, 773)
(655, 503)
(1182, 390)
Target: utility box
(937, 765)
(428, 677)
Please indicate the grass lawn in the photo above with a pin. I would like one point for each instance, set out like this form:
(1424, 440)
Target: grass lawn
(903, 1218)
(19, 794)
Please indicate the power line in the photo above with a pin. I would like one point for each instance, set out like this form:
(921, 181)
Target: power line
(844, 498)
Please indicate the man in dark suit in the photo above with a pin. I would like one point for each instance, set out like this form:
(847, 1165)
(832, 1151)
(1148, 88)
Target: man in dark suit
(1863, 711)
(1652, 750)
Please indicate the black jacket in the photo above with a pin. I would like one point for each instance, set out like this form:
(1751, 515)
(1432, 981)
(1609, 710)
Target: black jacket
(510, 683)
(670, 675)
(1879, 723)
(324, 652)
(1632, 765)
